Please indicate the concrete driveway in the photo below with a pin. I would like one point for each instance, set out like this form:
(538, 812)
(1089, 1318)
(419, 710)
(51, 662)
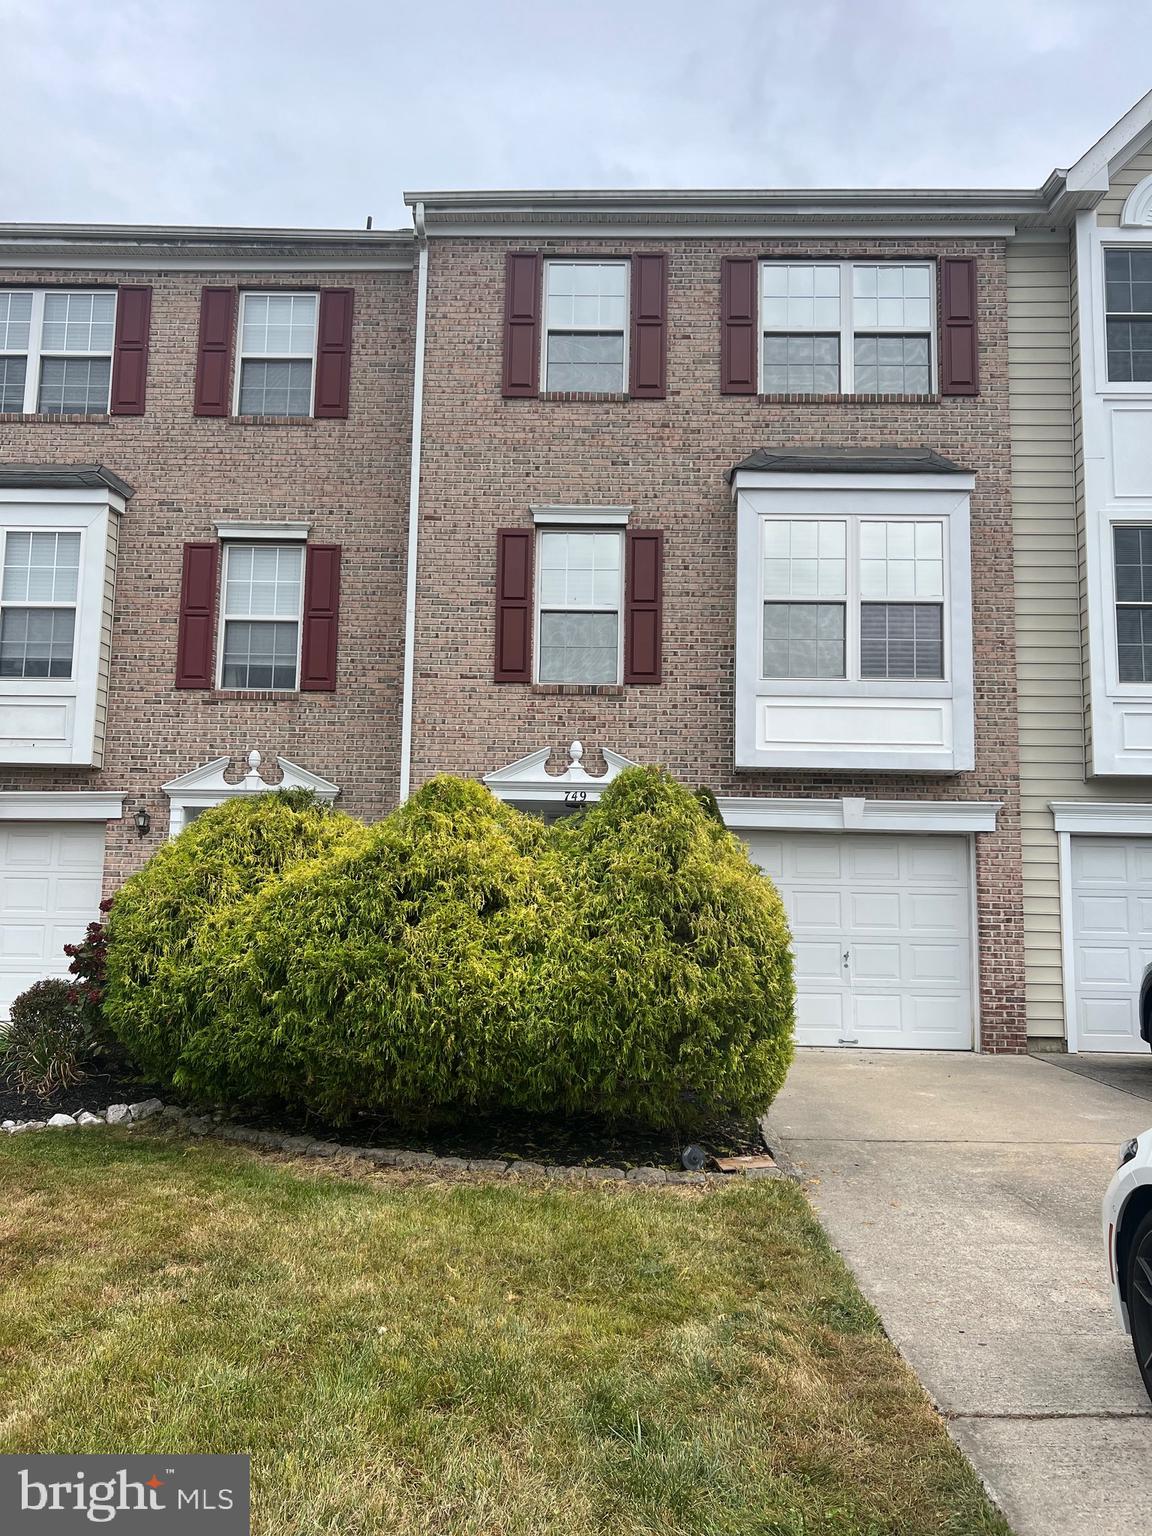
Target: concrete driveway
(964, 1191)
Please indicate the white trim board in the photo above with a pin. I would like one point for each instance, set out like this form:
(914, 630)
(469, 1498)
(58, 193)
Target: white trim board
(749, 813)
(278, 532)
(596, 517)
(1102, 818)
(60, 805)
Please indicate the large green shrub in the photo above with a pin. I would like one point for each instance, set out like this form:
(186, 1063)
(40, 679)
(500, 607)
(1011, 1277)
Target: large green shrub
(459, 953)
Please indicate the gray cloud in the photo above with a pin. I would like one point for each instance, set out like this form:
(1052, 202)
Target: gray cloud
(252, 112)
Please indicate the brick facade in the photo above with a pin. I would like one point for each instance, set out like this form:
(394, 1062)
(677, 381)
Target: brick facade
(348, 478)
(487, 459)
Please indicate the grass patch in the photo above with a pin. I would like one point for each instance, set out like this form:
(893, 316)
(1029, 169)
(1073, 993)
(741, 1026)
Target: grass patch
(418, 1359)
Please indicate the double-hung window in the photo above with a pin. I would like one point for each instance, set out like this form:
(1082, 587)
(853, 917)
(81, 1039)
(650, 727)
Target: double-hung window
(579, 585)
(852, 598)
(261, 615)
(1128, 315)
(586, 326)
(846, 328)
(39, 591)
(276, 373)
(56, 351)
(1132, 557)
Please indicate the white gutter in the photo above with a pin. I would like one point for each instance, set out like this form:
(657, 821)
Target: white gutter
(413, 505)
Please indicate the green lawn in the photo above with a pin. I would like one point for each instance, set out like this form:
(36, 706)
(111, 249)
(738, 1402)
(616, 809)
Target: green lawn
(406, 1358)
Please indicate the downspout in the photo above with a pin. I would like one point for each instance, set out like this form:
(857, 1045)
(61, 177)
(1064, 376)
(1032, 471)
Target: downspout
(413, 505)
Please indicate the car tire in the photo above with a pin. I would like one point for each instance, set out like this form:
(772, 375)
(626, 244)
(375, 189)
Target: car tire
(1138, 1290)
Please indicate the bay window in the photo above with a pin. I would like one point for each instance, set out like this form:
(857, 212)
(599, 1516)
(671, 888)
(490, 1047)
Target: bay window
(38, 593)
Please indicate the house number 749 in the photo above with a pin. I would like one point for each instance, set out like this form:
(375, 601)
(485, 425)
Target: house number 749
(575, 796)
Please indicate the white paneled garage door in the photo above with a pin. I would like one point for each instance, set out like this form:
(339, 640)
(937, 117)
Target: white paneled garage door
(50, 873)
(881, 929)
(1111, 938)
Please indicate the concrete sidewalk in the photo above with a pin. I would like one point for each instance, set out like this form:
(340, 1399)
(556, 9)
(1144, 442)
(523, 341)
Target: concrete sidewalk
(964, 1191)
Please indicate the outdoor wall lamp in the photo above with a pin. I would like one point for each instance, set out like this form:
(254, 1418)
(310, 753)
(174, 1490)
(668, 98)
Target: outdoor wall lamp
(143, 820)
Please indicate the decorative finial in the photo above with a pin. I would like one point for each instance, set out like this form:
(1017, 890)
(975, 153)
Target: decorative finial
(252, 778)
(575, 753)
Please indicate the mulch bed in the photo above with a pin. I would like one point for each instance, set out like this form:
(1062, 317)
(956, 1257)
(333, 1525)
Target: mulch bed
(571, 1140)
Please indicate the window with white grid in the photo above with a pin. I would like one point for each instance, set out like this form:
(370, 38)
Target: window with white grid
(56, 351)
(585, 326)
(277, 354)
(38, 594)
(854, 598)
(262, 611)
(846, 328)
(579, 585)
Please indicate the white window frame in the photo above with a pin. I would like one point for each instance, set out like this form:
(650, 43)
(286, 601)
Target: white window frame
(285, 357)
(1123, 242)
(852, 601)
(37, 352)
(847, 331)
(6, 530)
(542, 532)
(223, 618)
(592, 330)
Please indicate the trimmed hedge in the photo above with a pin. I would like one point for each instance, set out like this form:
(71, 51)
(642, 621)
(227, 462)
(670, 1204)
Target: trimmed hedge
(630, 962)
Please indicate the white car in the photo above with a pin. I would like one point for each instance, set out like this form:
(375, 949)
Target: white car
(1128, 1234)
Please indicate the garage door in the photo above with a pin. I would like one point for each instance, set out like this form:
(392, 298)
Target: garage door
(50, 873)
(1111, 938)
(881, 929)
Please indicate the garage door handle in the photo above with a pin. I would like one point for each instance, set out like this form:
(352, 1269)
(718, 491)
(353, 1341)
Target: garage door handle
(846, 954)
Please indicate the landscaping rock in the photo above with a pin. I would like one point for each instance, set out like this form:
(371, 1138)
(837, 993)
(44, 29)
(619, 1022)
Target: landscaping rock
(414, 1160)
(173, 1112)
(385, 1155)
(525, 1170)
(7, 1125)
(323, 1149)
(199, 1125)
(85, 1118)
(487, 1165)
(296, 1146)
(61, 1123)
(145, 1109)
(118, 1114)
(266, 1139)
(448, 1165)
(604, 1175)
(647, 1176)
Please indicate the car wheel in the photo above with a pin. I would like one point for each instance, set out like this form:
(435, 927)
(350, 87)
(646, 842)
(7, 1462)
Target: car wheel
(1138, 1290)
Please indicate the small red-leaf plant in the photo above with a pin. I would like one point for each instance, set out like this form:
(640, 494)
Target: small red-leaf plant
(88, 963)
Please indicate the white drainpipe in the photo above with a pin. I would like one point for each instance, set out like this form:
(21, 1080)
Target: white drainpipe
(413, 506)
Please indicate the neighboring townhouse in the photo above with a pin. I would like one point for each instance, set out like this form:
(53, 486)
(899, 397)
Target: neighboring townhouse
(1080, 339)
(204, 461)
(721, 481)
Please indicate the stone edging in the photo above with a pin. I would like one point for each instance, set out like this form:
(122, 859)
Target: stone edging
(389, 1157)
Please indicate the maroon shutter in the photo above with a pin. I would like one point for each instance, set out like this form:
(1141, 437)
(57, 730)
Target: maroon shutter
(959, 352)
(514, 605)
(649, 326)
(130, 350)
(738, 326)
(321, 618)
(521, 324)
(214, 354)
(643, 607)
(197, 616)
(333, 352)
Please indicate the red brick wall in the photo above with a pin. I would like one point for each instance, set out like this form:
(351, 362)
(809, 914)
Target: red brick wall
(349, 478)
(486, 460)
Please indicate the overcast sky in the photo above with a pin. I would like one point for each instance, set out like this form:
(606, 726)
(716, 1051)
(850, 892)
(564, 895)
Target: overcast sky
(320, 112)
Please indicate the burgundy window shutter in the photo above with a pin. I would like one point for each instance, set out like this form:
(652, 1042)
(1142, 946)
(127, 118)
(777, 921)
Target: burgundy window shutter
(649, 361)
(521, 325)
(214, 353)
(130, 350)
(738, 326)
(643, 607)
(333, 352)
(959, 350)
(514, 605)
(321, 618)
(197, 616)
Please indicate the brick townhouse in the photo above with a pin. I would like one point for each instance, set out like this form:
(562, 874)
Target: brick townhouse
(834, 502)
(204, 462)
